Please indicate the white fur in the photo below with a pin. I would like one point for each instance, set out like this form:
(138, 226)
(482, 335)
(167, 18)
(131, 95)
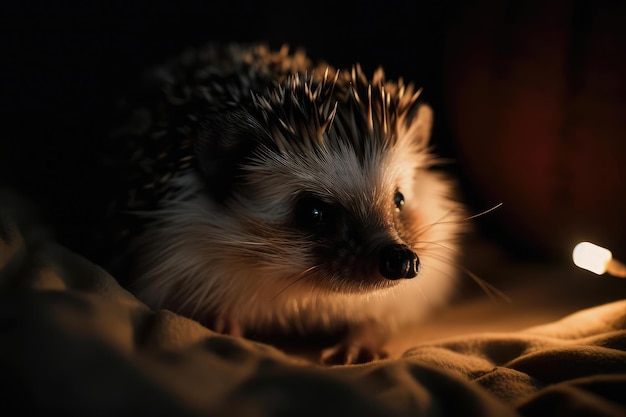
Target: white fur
(242, 261)
(204, 261)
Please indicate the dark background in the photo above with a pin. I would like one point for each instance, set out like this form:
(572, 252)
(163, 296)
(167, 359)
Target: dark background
(64, 63)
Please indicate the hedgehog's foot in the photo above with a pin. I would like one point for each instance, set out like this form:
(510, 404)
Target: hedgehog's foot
(363, 343)
(228, 325)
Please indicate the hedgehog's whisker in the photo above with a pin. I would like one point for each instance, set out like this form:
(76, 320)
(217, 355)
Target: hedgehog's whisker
(441, 221)
(488, 288)
(482, 213)
(438, 244)
(428, 226)
(297, 278)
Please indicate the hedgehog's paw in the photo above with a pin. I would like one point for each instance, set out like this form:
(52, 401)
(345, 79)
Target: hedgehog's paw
(345, 354)
(228, 325)
(362, 344)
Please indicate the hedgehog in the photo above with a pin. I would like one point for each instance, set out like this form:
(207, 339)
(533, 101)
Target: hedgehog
(265, 193)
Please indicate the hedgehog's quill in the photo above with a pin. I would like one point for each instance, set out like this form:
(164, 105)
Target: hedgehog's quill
(274, 194)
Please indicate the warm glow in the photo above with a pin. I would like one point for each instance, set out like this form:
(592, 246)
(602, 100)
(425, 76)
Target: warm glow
(591, 257)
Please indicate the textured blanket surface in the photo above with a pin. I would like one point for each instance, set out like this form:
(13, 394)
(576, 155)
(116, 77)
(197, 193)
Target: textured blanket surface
(73, 341)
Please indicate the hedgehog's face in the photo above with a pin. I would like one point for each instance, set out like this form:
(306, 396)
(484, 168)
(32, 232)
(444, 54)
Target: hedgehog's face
(345, 245)
(344, 224)
(330, 194)
(331, 216)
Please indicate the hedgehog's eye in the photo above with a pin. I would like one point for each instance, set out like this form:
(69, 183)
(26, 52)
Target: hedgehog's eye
(311, 213)
(398, 200)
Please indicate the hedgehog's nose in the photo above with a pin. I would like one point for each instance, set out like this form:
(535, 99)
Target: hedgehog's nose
(398, 261)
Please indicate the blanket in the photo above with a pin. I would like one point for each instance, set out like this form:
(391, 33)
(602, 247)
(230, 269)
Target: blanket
(73, 341)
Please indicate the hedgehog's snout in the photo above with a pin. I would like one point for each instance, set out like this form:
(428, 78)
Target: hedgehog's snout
(398, 261)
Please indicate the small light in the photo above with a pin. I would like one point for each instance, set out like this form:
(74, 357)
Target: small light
(597, 259)
(591, 257)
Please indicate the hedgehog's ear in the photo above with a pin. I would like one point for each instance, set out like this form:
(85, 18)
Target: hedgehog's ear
(421, 126)
(223, 144)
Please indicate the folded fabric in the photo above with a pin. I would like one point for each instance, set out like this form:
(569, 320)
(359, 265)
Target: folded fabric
(73, 341)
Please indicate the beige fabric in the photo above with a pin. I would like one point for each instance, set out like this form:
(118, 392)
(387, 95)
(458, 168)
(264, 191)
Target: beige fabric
(73, 341)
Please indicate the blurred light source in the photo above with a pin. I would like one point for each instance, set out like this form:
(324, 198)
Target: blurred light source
(597, 259)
